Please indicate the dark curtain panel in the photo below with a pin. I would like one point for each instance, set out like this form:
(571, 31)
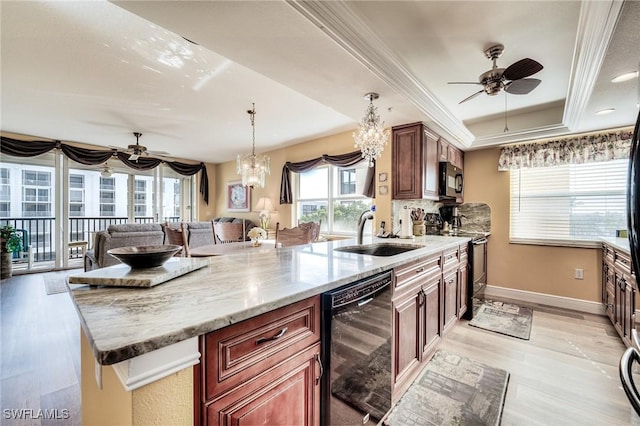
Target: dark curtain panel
(342, 160)
(19, 148)
(89, 157)
(190, 170)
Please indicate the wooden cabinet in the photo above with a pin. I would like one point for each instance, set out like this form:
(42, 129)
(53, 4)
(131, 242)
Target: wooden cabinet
(285, 396)
(450, 153)
(463, 281)
(619, 290)
(414, 164)
(267, 367)
(414, 330)
(431, 309)
(450, 298)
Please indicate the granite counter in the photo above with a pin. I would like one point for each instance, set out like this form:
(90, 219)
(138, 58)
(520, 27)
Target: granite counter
(621, 244)
(122, 323)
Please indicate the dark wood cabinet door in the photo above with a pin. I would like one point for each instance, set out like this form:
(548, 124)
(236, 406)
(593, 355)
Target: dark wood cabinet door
(450, 298)
(406, 348)
(288, 395)
(431, 331)
(443, 150)
(430, 166)
(406, 162)
(629, 311)
(463, 285)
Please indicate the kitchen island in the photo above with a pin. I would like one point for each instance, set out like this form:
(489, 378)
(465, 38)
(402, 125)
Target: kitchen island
(150, 335)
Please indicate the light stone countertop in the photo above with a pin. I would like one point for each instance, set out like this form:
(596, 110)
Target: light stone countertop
(621, 244)
(122, 323)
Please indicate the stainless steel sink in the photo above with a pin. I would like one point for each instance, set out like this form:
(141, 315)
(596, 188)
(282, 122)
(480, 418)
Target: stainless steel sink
(381, 249)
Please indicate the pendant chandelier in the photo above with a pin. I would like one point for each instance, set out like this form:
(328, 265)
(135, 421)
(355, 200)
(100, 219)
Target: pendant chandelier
(253, 167)
(370, 136)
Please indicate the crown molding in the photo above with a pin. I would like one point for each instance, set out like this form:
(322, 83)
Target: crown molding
(543, 132)
(596, 26)
(343, 25)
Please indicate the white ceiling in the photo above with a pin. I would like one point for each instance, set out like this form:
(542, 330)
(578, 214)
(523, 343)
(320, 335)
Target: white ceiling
(95, 71)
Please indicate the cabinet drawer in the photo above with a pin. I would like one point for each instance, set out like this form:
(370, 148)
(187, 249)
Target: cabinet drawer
(420, 268)
(236, 353)
(464, 253)
(623, 260)
(607, 253)
(450, 258)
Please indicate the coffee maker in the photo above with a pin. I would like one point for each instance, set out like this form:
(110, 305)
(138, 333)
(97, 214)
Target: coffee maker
(451, 215)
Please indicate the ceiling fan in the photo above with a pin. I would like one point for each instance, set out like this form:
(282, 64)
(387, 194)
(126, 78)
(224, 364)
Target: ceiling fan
(512, 79)
(137, 150)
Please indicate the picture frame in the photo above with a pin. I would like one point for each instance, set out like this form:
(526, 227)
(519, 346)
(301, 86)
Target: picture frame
(238, 197)
(383, 190)
(382, 177)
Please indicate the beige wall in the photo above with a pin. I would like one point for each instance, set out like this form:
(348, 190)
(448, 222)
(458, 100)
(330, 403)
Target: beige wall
(540, 269)
(336, 144)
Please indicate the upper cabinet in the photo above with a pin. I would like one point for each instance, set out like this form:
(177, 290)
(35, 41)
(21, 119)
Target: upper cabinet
(416, 155)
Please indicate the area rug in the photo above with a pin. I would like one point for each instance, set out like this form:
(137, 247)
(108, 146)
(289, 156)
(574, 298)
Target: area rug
(505, 318)
(366, 386)
(55, 285)
(452, 390)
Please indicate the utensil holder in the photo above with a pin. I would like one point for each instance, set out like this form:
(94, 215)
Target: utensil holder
(419, 228)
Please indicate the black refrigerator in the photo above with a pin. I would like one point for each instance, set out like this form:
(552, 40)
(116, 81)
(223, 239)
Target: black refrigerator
(633, 212)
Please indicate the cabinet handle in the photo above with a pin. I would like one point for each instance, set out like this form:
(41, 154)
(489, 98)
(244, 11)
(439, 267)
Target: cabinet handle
(421, 297)
(321, 369)
(269, 339)
(420, 270)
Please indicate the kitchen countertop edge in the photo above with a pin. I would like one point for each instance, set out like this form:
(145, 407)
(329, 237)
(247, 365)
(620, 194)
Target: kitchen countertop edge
(121, 323)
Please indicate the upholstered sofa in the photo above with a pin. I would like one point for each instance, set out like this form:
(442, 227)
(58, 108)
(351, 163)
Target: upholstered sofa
(123, 235)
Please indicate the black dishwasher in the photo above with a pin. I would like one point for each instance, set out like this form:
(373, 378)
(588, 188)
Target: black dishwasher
(356, 348)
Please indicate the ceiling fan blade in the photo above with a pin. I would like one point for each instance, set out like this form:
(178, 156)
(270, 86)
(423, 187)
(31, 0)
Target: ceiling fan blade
(522, 86)
(471, 97)
(521, 69)
(464, 82)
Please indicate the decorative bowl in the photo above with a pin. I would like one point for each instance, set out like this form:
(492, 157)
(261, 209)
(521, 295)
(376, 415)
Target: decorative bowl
(138, 257)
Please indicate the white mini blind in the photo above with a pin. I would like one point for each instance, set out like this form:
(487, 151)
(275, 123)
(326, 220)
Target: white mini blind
(572, 204)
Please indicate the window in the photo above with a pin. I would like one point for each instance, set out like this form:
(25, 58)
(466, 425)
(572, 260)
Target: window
(5, 193)
(140, 198)
(107, 196)
(36, 193)
(572, 204)
(76, 195)
(333, 195)
(171, 198)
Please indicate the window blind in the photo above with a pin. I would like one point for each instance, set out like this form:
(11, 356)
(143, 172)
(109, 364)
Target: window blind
(572, 204)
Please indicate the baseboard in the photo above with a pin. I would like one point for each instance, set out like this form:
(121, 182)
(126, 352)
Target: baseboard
(545, 299)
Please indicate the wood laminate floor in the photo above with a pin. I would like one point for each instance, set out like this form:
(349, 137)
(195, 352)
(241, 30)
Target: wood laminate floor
(566, 374)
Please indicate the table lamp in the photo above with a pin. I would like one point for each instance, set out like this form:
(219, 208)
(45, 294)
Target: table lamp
(266, 207)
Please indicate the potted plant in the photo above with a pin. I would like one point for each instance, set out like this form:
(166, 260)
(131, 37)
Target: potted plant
(10, 242)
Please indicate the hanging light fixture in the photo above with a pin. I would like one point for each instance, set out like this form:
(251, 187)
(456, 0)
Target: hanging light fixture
(253, 167)
(370, 136)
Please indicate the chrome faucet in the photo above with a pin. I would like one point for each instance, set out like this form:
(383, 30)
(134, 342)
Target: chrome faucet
(367, 214)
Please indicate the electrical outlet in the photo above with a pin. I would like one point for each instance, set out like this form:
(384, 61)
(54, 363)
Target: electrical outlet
(579, 274)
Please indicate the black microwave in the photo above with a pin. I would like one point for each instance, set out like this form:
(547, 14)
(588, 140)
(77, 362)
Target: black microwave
(451, 180)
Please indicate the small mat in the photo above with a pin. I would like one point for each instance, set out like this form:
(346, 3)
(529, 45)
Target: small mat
(55, 285)
(452, 390)
(504, 318)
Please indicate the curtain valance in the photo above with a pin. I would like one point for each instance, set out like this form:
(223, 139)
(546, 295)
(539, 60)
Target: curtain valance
(92, 157)
(341, 160)
(572, 150)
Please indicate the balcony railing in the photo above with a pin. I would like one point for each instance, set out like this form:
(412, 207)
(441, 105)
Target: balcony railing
(39, 233)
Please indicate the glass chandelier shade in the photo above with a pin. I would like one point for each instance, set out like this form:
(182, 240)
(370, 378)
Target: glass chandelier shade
(253, 167)
(370, 137)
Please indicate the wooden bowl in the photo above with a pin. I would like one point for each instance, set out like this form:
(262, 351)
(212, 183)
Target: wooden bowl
(138, 257)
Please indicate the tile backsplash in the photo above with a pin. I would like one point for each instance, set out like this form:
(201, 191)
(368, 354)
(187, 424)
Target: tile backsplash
(427, 205)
